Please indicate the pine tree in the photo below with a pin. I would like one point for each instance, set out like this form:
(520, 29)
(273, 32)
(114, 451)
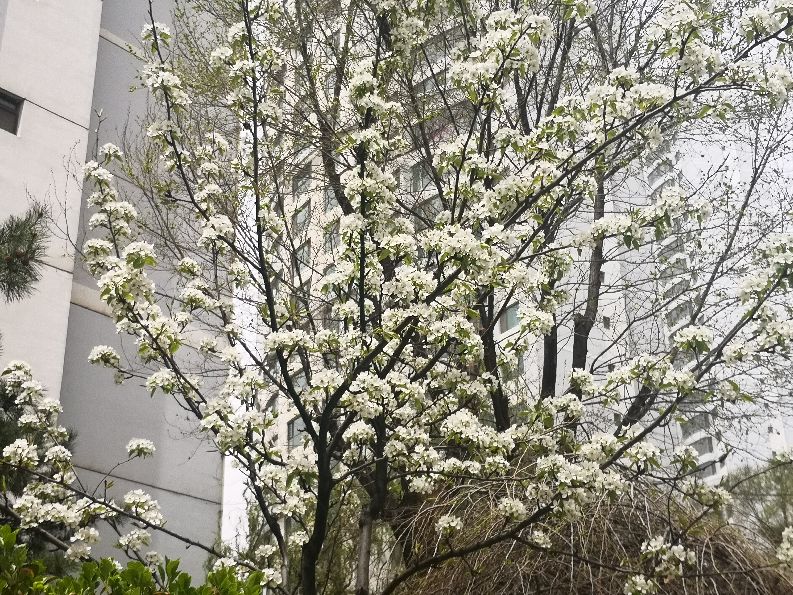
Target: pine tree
(23, 240)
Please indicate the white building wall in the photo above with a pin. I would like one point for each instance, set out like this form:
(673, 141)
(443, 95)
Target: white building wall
(185, 475)
(47, 57)
(69, 60)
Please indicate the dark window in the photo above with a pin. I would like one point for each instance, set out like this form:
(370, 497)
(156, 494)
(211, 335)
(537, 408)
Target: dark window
(301, 182)
(330, 199)
(330, 84)
(426, 212)
(328, 321)
(677, 289)
(336, 38)
(302, 258)
(10, 111)
(299, 306)
(300, 383)
(331, 239)
(294, 432)
(420, 178)
(703, 446)
(612, 367)
(509, 374)
(275, 284)
(606, 322)
(431, 83)
(683, 311)
(660, 170)
(708, 471)
(695, 423)
(301, 218)
(602, 277)
(509, 319)
(671, 248)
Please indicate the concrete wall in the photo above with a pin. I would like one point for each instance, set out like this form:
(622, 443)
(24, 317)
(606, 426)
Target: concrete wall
(47, 57)
(185, 474)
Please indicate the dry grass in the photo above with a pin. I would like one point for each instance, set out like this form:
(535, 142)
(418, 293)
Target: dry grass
(596, 554)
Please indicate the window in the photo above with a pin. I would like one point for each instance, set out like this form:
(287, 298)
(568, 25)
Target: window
(300, 383)
(667, 251)
(336, 38)
(509, 319)
(10, 111)
(708, 471)
(330, 199)
(426, 212)
(331, 239)
(328, 321)
(330, 84)
(607, 322)
(301, 182)
(301, 218)
(602, 277)
(301, 259)
(703, 446)
(431, 84)
(299, 306)
(420, 178)
(662, 169)
(294, 432)
(612, 367)
(275, 283)
(695, 423)
(682, 311)
(676, 290)
(509, 374)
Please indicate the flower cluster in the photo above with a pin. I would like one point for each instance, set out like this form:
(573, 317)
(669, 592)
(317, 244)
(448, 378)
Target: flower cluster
(449, 524)
(140, 447)
(668, 560)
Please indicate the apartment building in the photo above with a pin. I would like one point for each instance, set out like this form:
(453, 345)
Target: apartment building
(66, 67)
(725, 439)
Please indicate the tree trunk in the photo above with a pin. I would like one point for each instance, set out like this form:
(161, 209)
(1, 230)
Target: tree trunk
(583, 323)
(549, 363)
(364, 552)
(499, 399)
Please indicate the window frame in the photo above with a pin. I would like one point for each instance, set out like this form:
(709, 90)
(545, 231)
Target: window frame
(15, 105)
(420, 177)
(302, 268)
(329, 196)
(293, 435)
(503, 321)
(301, 180)
(300, 223)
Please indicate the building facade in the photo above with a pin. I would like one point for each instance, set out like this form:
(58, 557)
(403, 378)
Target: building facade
(66, 67)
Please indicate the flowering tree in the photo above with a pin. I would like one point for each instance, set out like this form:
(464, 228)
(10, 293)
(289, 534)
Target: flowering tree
(378, 225)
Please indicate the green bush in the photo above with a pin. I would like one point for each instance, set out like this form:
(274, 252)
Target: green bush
(19, 575)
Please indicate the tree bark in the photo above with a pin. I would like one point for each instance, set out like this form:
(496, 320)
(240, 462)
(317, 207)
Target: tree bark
(365, 523)
(498, 398)
(583, 323)
(549, 362)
